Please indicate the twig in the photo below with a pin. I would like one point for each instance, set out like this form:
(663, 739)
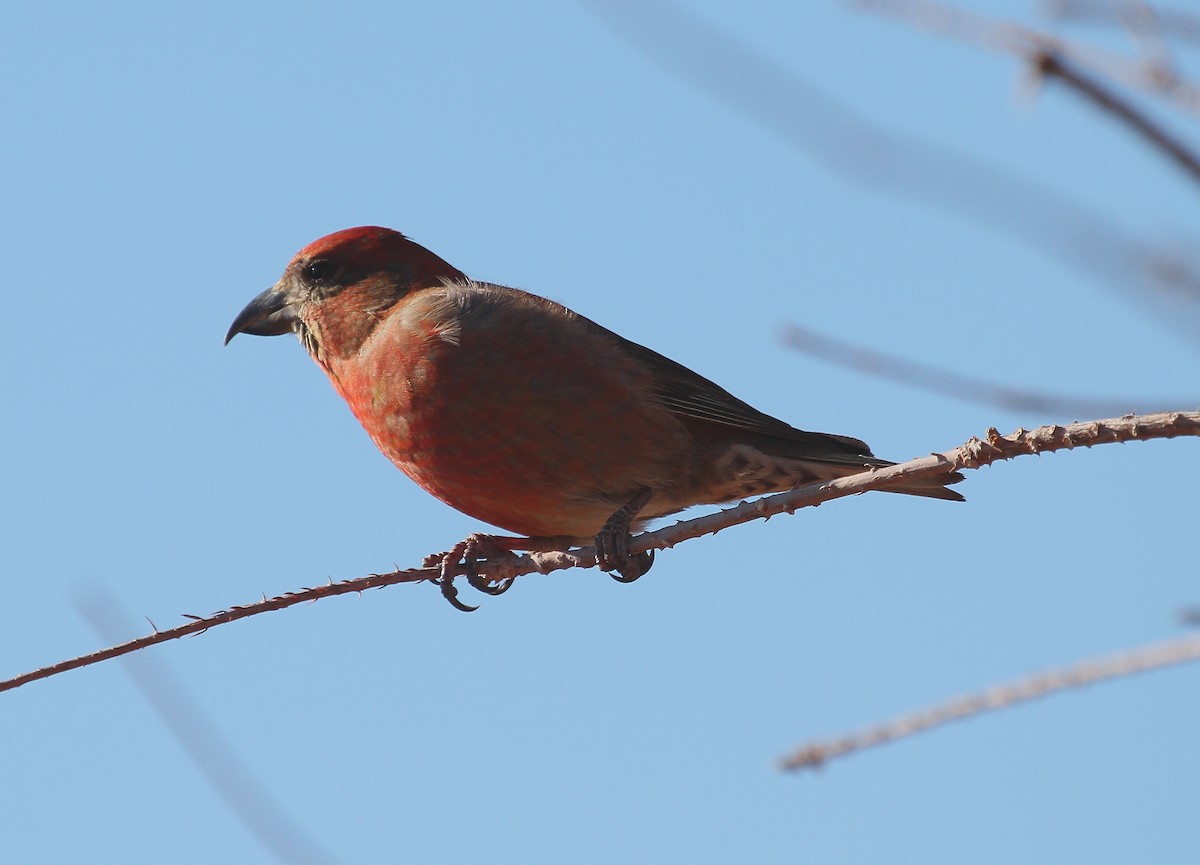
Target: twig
(1050, 57)
(971, 455)
(1126, 663)
(951, 384)
(1052, 65)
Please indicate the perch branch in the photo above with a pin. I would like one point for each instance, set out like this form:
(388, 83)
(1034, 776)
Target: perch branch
(971, 455)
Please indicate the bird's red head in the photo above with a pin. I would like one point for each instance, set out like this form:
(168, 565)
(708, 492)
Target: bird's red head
(347, 256)
(360, 270)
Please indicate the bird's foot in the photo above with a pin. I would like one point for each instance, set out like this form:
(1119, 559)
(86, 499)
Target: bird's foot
(612, 543)
(460, 561)
(450, 593)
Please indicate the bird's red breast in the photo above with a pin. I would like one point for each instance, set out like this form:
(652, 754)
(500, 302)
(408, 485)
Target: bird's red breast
(483, 396)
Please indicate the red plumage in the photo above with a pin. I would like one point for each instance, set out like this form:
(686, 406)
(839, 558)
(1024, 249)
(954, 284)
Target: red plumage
(517, 411)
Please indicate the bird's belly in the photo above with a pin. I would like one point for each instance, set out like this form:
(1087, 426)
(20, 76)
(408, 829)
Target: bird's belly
(510, 476)
(511, 466)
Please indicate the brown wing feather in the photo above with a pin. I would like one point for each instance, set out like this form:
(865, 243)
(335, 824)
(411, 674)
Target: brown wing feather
(706, 404)
(690, 395)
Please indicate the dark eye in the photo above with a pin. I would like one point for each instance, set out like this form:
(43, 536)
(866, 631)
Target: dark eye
(319, 270)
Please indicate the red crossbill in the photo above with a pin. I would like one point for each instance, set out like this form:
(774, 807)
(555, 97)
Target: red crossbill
(521, 413)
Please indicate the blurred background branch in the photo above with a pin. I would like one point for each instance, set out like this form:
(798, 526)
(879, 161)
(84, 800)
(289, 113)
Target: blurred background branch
(1152, 275)
(957, 385)
(1126, 663)
(1155, 73)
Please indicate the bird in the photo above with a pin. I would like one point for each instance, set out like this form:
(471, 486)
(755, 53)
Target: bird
(521, 413)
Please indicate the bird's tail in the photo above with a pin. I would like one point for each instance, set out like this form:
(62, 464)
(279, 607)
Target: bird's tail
(931, 488)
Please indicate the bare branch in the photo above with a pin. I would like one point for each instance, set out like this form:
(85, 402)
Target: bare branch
(1126, 663)
(1052, 65)
(1056, 58)
(953, 384)
(971, 455)
(1027, 42)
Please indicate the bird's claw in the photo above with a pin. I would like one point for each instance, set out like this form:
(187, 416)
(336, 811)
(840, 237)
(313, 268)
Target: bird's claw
(483, 584)
(632, 568)
(612, 544)
(450, 593)
(460, 561)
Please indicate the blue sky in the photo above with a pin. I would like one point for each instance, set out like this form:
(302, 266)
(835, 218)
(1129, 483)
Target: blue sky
(163, 162)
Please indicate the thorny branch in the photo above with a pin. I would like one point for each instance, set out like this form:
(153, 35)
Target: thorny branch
(971, 455)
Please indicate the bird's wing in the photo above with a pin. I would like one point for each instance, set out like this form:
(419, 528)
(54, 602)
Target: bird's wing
(692, 396)
(710, 409)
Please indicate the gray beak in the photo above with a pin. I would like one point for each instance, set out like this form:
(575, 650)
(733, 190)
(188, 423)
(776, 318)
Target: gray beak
(269, 314)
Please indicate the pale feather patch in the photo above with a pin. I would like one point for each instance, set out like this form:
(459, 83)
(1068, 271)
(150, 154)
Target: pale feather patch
(449, 331)
(459, 299)
(310, 339)
(747, 471)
